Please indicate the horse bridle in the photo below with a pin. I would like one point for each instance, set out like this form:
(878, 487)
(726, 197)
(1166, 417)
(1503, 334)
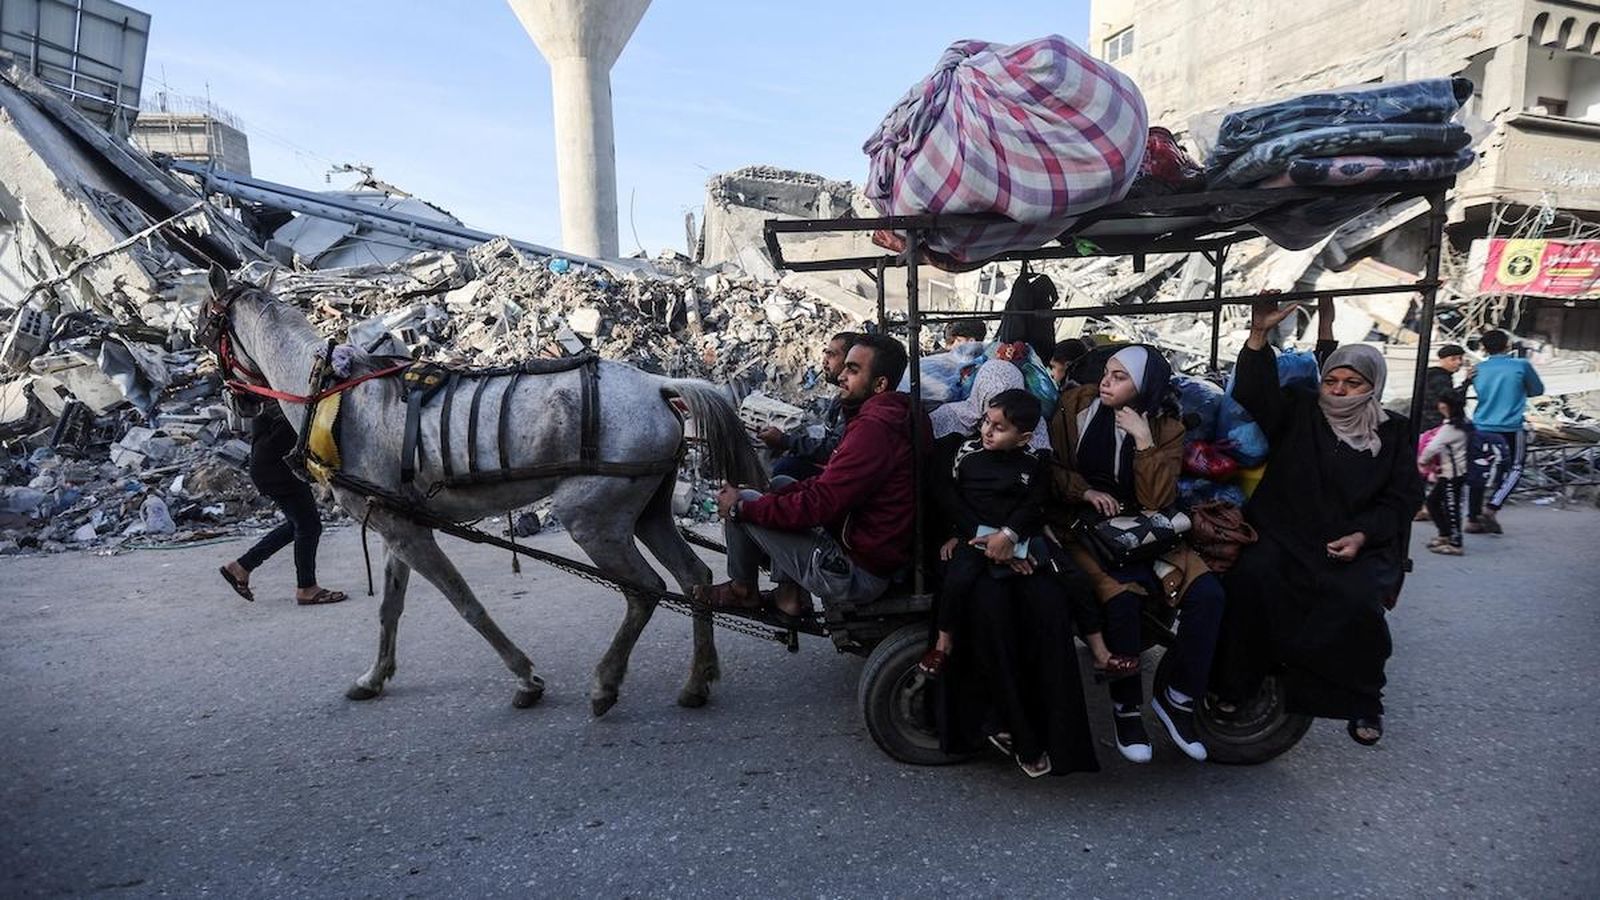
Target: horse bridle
(214, 331)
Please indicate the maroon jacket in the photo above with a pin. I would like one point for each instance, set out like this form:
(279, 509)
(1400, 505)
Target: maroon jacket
(864, 496)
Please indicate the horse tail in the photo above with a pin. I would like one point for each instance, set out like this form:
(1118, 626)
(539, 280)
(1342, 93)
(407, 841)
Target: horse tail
(717, 421)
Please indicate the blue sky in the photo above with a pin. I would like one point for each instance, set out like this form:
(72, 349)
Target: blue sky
(451, 100)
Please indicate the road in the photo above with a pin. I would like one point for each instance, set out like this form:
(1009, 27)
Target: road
(161, 736)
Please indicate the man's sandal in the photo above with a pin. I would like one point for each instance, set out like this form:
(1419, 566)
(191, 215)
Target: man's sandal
(321, 597)
(933, 662)
(239, 587)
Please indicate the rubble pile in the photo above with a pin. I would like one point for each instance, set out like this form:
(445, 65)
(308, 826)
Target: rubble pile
(492, 305)
(119, 432)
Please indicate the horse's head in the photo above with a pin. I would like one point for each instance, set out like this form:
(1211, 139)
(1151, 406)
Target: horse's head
(214, 327)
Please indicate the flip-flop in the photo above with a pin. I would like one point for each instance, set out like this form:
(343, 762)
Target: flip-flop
(321, 597)
(239, 587)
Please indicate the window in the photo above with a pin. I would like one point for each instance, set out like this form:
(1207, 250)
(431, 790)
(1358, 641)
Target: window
(1118, 45)
(1550, 106)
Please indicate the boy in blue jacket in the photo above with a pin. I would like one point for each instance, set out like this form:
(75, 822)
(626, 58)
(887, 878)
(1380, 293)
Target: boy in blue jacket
(1503, 383)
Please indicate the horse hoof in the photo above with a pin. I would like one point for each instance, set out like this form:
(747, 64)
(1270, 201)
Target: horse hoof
(526, 697)
(601, 705)
(359, 691)
(692, 699)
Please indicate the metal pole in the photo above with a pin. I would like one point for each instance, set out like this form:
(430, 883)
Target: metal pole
(1216, 295)
(914, 360)
(883, 308)
(1419, 377)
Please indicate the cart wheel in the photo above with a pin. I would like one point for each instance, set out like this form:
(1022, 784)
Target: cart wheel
(895, 700)
(1257, 731)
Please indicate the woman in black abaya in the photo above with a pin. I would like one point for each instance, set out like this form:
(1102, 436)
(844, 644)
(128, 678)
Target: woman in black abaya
(1309, 598)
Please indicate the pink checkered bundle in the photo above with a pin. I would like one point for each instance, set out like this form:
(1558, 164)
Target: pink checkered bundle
(1039, 132)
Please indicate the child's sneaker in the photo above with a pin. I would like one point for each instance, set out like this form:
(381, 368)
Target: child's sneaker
(1133, 742)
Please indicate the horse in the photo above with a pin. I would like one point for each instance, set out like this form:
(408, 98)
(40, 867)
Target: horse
(274, 348)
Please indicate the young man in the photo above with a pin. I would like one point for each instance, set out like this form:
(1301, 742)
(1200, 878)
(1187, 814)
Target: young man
(1504, 383)
(964, 331)
(806, 448)
(844, 533)
(1441, 380)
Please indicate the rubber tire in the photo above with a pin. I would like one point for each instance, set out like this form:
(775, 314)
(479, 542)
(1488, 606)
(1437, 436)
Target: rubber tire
(1271, 733)
(892, 695)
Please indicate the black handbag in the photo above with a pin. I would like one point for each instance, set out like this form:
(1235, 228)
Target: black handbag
(1129, 538)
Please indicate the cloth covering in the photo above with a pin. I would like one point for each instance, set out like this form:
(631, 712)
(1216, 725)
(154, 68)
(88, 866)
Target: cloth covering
(1039, 132)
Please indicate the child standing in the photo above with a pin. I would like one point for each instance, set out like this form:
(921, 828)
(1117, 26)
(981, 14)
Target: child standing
(1448, 451)
(993, 496)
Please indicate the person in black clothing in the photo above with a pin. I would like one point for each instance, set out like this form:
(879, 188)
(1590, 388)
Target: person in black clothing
(1062, 358)
(271, 439)
(1307, 600)
(993, 496)
(1441, 380)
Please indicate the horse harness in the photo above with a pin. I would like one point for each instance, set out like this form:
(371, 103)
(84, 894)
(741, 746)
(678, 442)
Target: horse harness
(422, 382)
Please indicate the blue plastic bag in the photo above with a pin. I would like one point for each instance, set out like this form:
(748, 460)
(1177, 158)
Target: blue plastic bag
(1195, 491)
(1239, 434)
(948, 376)
(1199, 403)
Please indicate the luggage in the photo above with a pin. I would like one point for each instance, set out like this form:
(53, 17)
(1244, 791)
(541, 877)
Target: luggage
(1039, 132)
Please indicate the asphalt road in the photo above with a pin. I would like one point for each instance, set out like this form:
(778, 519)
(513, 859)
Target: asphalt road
(160, 736)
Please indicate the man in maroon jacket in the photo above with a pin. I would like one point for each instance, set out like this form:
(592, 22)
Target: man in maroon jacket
(844, 533)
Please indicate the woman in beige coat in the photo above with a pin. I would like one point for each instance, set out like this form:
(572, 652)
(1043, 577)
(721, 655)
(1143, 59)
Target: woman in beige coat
(1118, 450)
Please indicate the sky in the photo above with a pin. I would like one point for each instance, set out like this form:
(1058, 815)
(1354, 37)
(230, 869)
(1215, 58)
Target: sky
(451, 100)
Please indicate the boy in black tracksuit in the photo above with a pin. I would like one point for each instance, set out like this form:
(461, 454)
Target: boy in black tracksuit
(992, 497)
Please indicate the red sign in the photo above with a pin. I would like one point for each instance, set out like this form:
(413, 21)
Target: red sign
(1569, 269)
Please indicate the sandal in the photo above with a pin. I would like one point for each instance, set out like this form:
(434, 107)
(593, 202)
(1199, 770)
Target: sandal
(1365, 723)
(933, 662)
(1116, 668)
(777, 614)
(321, 597)
(1036, 769)
(729, 597)
(239, 587)
(1001, 740)
(1445, 549)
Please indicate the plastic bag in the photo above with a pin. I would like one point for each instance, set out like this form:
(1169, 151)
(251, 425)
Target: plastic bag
(1194, 491)
(1199, 403)
(1297, 369)
(948, 376)
(1239, 434)
(1205, 459)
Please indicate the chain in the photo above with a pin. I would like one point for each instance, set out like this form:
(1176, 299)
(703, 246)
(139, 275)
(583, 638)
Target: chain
(674, 602)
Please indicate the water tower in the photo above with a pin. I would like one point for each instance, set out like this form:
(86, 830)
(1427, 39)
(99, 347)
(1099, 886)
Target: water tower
(581, 39)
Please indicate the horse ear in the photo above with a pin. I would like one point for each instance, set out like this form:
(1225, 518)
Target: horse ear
(219, 280)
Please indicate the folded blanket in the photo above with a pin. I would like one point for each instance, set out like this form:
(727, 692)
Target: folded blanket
(1370, 169)
(1430, 100)
(1272, 157)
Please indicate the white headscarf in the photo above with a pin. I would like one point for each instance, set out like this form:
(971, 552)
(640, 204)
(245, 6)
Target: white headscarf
(1134, 359)
(963, 416)
(1355, 418)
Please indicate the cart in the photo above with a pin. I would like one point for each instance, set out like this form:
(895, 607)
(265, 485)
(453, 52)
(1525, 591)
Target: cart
(893, 631)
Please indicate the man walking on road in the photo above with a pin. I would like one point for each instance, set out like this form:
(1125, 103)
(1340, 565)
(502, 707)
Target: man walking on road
(1503, 383)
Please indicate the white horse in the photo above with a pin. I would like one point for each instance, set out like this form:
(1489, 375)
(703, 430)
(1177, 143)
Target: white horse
(604, 513)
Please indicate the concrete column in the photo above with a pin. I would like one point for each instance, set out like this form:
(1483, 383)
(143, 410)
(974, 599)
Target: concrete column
(581, 39)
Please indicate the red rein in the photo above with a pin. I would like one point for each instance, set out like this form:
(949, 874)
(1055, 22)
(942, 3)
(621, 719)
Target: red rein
(231, 365)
